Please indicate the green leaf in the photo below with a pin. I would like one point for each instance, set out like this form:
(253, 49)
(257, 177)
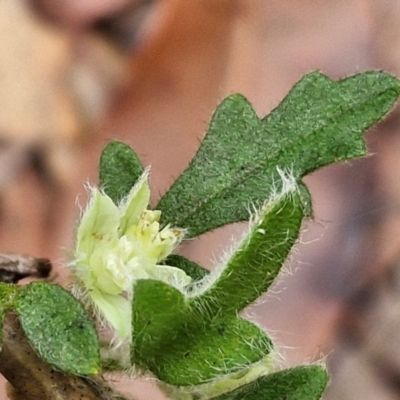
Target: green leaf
(119, 170)
(190, 267)
(7, 294)
(204, 353)
(174, 335)
(318, 123)
(58, 328)
(259, 258)
(180, 347)
(300, 383)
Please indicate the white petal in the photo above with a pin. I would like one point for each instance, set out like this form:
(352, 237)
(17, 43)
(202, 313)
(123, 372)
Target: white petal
(135, 203)
(99, 222)
(116, 310)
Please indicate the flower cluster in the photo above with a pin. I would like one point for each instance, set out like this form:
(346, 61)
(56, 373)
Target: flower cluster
(118, 244)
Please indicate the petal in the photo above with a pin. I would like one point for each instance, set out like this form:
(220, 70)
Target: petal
(116, 310)
(136, 269)
(107, 267)
(135, 203)
(170, 238)
(99, 222)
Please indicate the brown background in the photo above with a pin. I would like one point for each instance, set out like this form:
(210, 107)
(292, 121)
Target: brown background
(76, 74)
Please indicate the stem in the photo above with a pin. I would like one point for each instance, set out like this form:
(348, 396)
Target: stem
(32, 379)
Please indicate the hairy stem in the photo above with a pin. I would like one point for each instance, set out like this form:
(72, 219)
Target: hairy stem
(32, 379)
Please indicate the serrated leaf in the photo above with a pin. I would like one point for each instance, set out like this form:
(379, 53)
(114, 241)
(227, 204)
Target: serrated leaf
(58, 328)
(7, 294)
(119, 170)
(195, 271)
(318, 123)
(300, 383)
(180, 347)
(257, 261)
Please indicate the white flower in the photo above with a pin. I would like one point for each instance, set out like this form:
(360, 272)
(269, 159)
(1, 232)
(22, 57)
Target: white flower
(117, 245)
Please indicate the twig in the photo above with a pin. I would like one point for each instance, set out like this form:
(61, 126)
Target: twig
(32, 379)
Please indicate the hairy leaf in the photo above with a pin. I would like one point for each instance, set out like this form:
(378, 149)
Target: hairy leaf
(300, 383)
(189, 341)
(318, 123)
(58, 328)
(181, 347)
(119, 170)
(257, 261)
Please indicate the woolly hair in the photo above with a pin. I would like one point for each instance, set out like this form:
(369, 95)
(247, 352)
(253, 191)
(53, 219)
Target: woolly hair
(288, 185)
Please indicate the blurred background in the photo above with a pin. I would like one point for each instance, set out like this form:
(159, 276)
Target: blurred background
(77, 73)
